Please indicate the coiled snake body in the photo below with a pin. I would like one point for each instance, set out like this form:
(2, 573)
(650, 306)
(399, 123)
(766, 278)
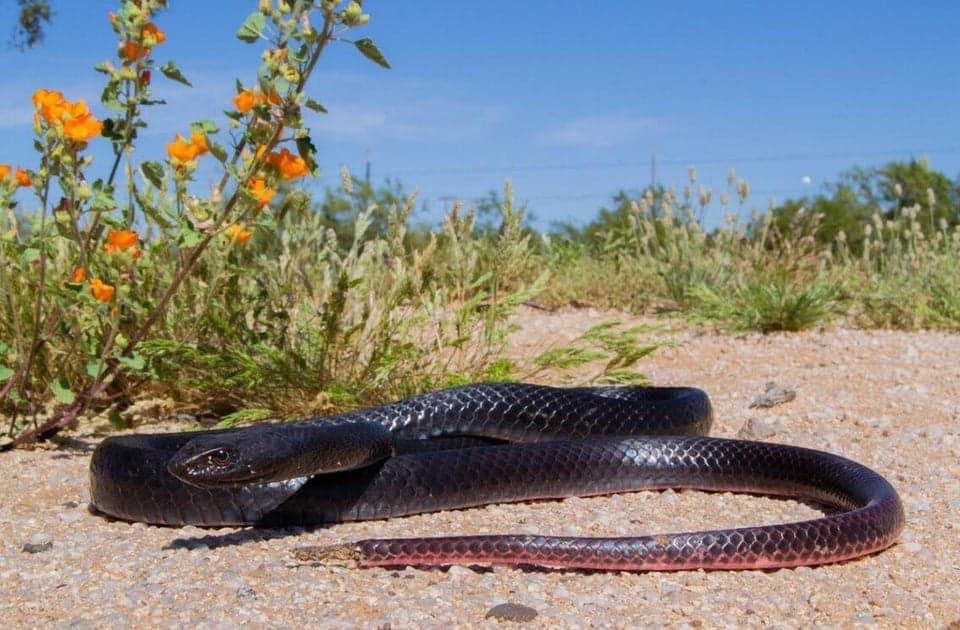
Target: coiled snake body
(489, 443)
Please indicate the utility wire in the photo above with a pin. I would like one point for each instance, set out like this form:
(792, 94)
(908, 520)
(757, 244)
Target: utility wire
(733, 161)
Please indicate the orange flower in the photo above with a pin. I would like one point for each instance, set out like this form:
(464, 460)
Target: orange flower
(182, 151)
(133, 51)
(78, 275)
(245, 101)
(150, 36)
(290, 166)
(260, 191)
(248, 98)
(101, 291)
(237, 234)
(119, 240)
(23, 178)
(199, 140)
(81, 124)
(151, 32)
(51, 104)
(4, 171)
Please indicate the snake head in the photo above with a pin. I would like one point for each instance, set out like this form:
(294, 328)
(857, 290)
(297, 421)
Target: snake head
(211, 461)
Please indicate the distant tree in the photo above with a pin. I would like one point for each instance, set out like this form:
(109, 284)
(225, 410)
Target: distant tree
(340, 208)
(860, 193)
(892, 186)
(34, 16)
(611, 221)
(841, 210)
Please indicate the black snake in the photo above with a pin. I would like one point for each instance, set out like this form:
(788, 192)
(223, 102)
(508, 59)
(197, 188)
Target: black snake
(489, 443)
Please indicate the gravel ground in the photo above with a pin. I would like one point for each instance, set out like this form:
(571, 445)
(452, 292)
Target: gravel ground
(890, 400)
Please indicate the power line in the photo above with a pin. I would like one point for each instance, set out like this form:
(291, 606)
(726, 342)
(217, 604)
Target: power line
(609, 196)
(733, 161)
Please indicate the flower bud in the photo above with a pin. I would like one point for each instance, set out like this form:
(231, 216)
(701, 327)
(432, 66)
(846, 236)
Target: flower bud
(352, 13)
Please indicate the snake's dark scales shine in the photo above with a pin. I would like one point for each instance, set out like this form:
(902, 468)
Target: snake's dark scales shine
(583, 441)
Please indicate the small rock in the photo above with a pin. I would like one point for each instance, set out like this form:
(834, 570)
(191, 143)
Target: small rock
(759, 428)
(245, 592)
(37, 547)
(510, 611)
(668, 497)
(774, 395)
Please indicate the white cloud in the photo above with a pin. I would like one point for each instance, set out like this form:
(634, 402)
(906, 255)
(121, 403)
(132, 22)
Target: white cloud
(602, 131)
(425, 120)
(16, 117)
(348, 120)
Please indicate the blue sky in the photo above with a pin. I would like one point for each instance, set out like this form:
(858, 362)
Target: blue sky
(568, 101)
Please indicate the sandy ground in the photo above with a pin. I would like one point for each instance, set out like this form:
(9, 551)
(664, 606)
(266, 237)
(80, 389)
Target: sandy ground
(890, 400)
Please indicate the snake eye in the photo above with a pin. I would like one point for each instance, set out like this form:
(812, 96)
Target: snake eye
(219, 457)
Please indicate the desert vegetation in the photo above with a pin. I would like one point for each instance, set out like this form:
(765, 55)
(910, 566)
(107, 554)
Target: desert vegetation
(260, 300)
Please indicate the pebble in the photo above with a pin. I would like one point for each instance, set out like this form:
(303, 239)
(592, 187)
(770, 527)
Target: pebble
(245, 592)
(510, 611)
(669, 497)
(37, 547)
(760, 428)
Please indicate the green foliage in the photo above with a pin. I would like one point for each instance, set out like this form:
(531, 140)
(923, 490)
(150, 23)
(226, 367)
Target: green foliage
(858, 252)
(781, 303)
(860, 193)
(94, 271)
(34, 15)
(261, 301)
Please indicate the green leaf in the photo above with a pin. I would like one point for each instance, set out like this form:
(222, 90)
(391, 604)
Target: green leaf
(29, 255)
(308, 152)
(172, 72)
(245, 415)
(315, 106)
(153, 171)
(133, 362)
(62, 392)
(116, 420)
(188, 236)
(204, 126)
(217, 151)
(94, 368)
(102, 197)
(110, 96)
(5, 373)
(369, 50)
(252, 27)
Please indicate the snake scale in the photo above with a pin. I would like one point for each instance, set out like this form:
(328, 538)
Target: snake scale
(491, 443)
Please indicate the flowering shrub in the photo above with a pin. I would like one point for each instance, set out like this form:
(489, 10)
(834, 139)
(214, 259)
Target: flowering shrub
(83, 282)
